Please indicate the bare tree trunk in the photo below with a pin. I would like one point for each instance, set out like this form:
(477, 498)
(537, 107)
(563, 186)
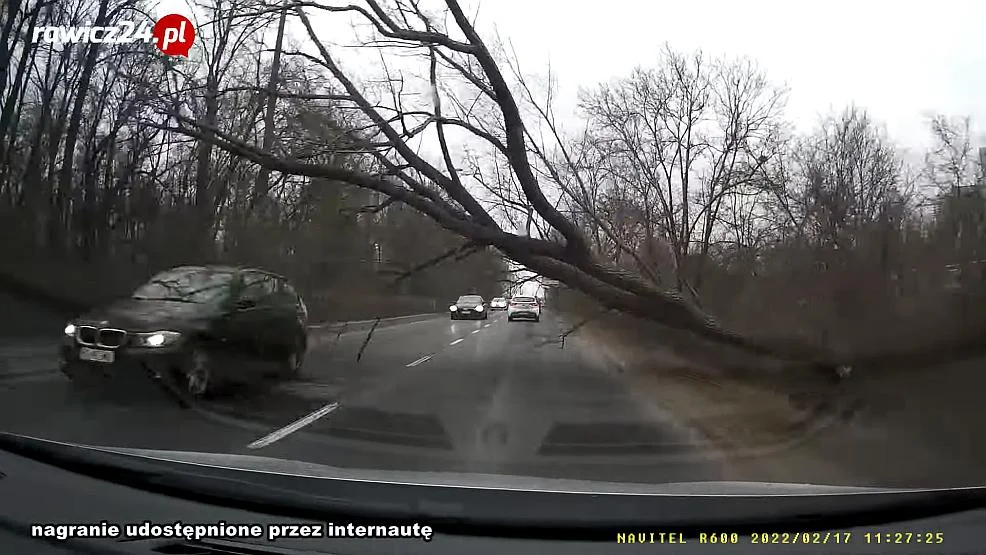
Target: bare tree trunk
(201, 243)
(9, 12)
(72, 134)
(262, 186)
(14, 103)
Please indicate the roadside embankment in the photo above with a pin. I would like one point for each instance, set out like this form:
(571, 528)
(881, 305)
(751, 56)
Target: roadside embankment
(906, 425)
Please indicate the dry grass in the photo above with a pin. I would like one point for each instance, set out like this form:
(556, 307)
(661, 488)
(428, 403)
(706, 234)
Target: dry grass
(874, 312)
(751, 426)
(901, 425)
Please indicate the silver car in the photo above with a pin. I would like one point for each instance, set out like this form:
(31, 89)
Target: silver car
(524, 308)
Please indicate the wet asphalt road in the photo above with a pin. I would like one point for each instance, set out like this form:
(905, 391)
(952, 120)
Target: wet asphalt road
(435, 395)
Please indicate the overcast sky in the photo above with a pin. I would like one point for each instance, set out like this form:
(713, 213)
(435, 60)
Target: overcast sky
(900, 60)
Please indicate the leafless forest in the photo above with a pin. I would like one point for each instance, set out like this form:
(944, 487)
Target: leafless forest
(393, 176)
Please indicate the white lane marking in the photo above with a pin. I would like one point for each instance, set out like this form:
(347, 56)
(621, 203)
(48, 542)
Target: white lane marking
(456, 341)
(487, 325)
(476, 331)
(293, 427)
(419, 361)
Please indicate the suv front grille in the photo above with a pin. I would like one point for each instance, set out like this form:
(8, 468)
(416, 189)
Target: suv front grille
(110, 338)
(86, 335)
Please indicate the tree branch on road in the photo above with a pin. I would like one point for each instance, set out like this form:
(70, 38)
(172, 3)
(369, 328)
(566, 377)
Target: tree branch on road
(567, 259)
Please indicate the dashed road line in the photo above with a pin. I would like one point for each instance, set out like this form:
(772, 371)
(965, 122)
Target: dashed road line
(419, 361)
(293, 427)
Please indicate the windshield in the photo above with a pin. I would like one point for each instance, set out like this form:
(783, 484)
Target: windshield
(735, 247)
(191, 285)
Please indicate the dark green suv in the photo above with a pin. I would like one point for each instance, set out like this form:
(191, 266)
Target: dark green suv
(192, 329)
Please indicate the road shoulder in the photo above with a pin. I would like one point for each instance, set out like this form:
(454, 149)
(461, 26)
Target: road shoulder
(855, 434)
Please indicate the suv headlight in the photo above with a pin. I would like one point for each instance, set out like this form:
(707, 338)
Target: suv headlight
(156, 338)
(70, 329)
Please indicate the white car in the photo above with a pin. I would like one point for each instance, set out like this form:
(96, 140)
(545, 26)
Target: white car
(524, 308)
(498, 303)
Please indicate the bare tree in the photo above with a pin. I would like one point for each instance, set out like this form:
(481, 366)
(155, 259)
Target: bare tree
(688, 138)
(951, 162)
(954, 170)
(849, 177)
(438, 190)
(130, 202)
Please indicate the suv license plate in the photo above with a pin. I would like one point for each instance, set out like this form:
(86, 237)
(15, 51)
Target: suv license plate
(96, 355)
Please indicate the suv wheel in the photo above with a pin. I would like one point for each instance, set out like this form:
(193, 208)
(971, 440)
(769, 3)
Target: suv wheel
(196, 379)
(294, 359)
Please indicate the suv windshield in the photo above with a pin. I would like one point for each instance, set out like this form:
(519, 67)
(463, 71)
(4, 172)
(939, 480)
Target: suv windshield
(470, 299)
(194, 286)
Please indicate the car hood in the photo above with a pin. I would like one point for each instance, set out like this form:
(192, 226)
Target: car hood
(485, 481)
(281, 486)
(146, 315)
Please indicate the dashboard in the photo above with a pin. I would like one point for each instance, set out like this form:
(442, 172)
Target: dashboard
(48, 509)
